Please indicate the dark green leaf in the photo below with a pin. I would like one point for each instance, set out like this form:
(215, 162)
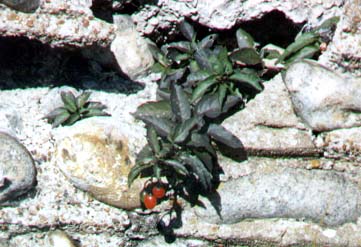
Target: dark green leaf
(305, 52)
(250, 79)
(206, 159)
(244, 39)
(187, 30)
(248, 56)
(222, 91)
(199, 75)
(193, 66)
(202, 88)
(223, 57)
(161, 125)
(202, 57)
(201, 141)
(179, 103)
(158, 68)
(152, 139)
(271, 51)
(178, 56)
(183, 130)
(145, 156)
(69, 101)
(161, 109)
(231, 101)
(216, 64)
(209, 106)
(72, 119)
(82, 99)
(54, 113)
(222, 135)
(177, 166)
(304, 40)
(135, 172)
(158, 55)
(183, 46)
(203, 175)
(208, 41)
(329, 23)
(174, 76)
(61, 118)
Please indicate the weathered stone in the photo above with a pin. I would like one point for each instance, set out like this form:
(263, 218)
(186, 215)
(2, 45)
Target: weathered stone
(326, 198)
(10, 121)
(22, 5)
(59, 238)
(65, 24)
(343, 143)
(225, 14)
(17, 170)
(94, 156)
(268, 125)
(159, 241)
(344, 52)
(130, 49)
(323, 99)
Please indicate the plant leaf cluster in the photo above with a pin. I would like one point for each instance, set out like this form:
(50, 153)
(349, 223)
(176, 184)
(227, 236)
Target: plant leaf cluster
(74, 109)
(204, 68)
(307, 44)
(180, 143)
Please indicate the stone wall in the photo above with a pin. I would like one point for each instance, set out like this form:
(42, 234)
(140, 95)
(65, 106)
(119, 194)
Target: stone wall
(300, 184)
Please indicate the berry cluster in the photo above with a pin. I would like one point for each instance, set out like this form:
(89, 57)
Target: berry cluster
(153, 192)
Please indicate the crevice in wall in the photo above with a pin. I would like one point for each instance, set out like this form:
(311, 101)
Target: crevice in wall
(28, 63)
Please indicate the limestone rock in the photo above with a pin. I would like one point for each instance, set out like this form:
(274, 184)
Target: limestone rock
(225, 14)
(17, 170)
(323, 99)
(130, 49)
(65, 24)
(93, 154)
(344, 52)
(59, 238)
(326, 198)
(10, 121)
(268, 125)
(22, 5)
(342, 143)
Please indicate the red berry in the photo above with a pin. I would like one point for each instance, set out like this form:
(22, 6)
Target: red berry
(158, 191)
(150, 201)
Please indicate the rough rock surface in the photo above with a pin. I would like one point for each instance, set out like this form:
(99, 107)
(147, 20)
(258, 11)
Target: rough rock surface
(272, 192)
(225, 14)
(17, 170)
(22, 5)
(10, 121)
(93, 155)
(268, 125)
(343, 53)
(130, 49)
(323, 99)
(66, 25)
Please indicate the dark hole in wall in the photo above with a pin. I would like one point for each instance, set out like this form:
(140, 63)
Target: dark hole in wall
(28, 63)
(274, 27)
(105, 9)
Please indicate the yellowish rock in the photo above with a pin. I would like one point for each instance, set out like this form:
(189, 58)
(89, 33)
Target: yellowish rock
(94, 156)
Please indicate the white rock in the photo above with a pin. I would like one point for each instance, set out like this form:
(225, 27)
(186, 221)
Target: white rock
(10, 120)
(225, 14)
(93, 154)
(269, 126)
(130, 49)
(323, 99)
(59, 238)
